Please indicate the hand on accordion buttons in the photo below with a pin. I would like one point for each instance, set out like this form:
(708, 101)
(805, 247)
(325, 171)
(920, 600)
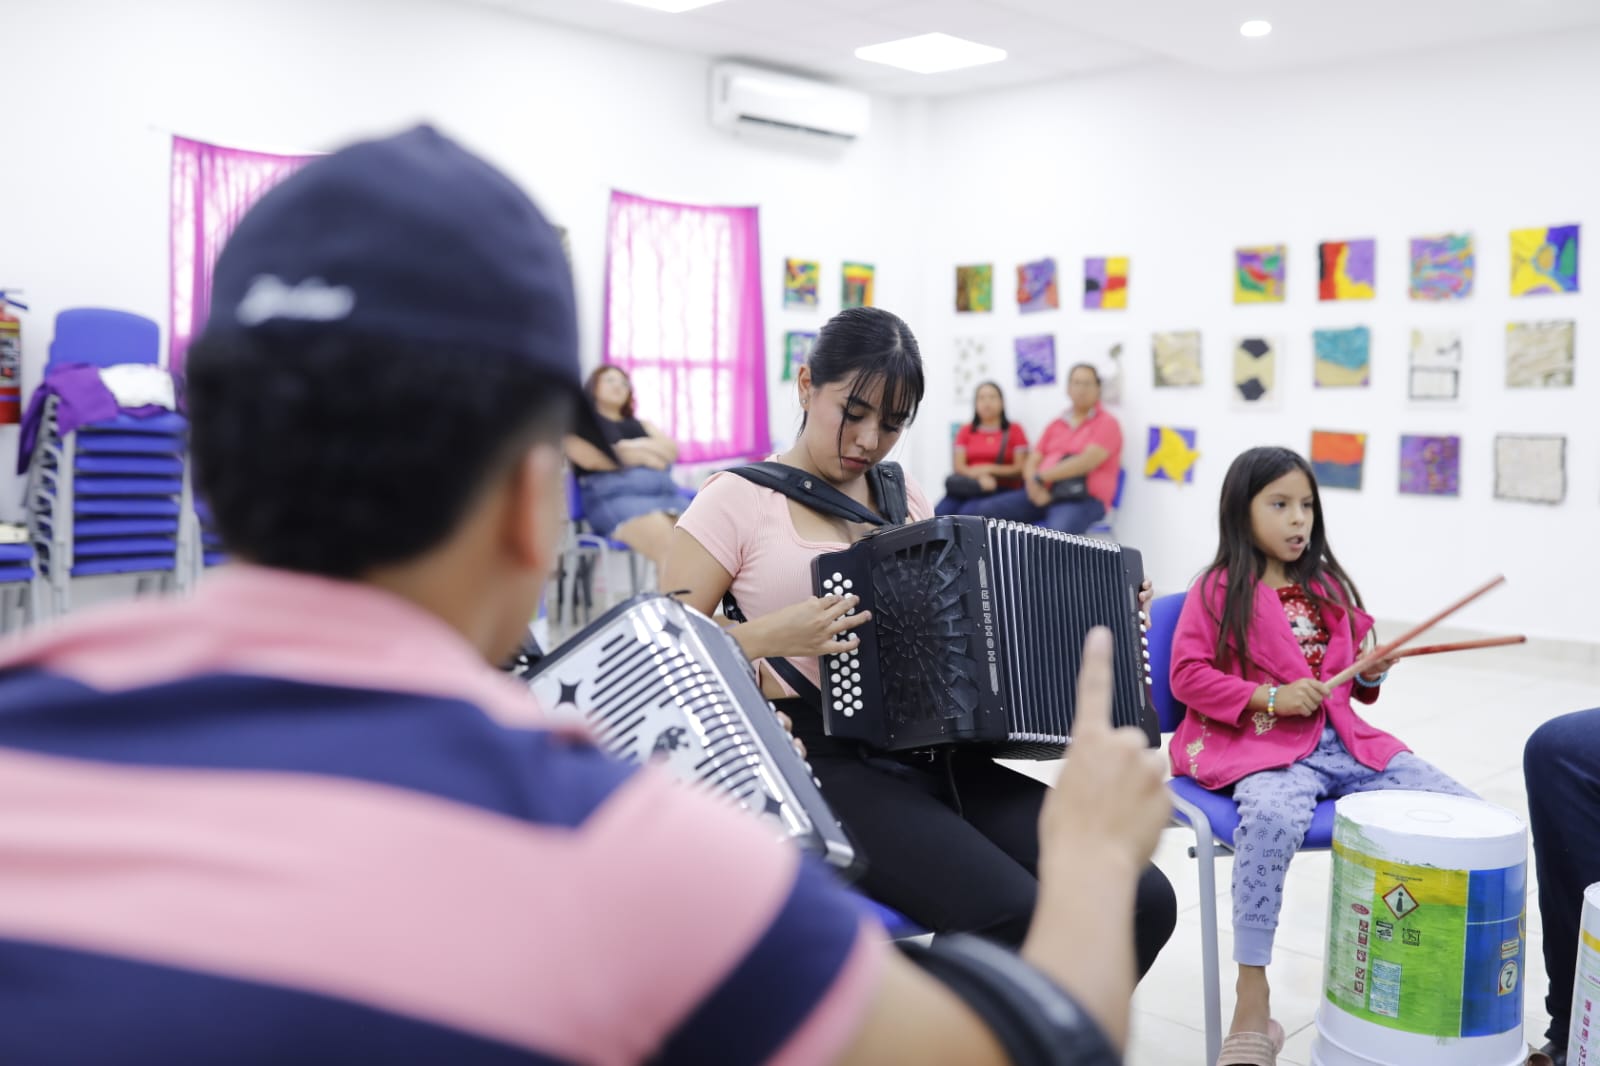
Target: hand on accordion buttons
(814, 626)
(1300, 699)
(788, 727)
(1147, 592)
(1111, 796)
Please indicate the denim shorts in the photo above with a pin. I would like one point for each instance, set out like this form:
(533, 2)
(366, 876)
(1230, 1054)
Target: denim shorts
(612, 497)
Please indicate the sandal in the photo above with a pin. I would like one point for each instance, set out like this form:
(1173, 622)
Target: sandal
(1253, 1049)
(1549, 1055)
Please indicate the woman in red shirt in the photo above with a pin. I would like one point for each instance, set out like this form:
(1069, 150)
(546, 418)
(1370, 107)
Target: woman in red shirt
(990, 450)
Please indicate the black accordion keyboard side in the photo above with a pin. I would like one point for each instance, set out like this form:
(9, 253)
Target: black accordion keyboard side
(977, 636)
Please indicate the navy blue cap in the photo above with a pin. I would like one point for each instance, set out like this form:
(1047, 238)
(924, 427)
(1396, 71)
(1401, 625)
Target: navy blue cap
(410, 237)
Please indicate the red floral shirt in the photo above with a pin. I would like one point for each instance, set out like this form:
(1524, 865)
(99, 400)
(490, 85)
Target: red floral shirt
(1305, 621)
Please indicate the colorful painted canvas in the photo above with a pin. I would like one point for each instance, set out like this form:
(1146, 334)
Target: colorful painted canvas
(800, 282)
(1177, 359)
(1337, 458)
(859, 279)
(1539, 355)
(796, 350)
(975, 287)
(1036, 286)
(1343, 357)
(1171, 455)
(1544, 260)
(972, 365)
(1347, 270)
(1435, 364)
(1430, 466)
(1442, 266)
(1255, 373)
(1530, 468)
(1105, 283)
(1258, 274)
(1036, 360)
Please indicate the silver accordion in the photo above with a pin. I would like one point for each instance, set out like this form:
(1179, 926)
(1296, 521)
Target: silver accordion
(656, 681)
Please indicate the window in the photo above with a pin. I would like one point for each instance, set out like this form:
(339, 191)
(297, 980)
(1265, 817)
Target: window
(683, 317)
(212, 188)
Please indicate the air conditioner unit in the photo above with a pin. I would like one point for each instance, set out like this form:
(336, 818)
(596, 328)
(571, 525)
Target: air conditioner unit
(748, 99)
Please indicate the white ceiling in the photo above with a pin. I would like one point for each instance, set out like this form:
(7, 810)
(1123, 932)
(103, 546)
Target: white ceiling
(1049, 39)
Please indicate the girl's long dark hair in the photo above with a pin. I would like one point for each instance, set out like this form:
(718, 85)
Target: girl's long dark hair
(1241, 563)
(865, 345)
(594, 383)
(1005, 423)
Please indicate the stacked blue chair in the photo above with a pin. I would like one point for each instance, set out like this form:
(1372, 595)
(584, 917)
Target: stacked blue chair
(16, 586)
(108, 498)
(209, 540)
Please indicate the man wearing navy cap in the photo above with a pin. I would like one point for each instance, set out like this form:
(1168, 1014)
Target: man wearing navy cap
(299, 818)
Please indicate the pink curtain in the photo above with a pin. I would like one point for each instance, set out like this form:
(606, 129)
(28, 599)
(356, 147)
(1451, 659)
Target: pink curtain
(212, 188)
(683, 317)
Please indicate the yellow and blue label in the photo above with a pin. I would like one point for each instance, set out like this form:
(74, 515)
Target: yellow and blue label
(1426, 950)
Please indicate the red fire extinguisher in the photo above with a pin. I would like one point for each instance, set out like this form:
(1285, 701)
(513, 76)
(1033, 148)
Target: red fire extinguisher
(10, 359)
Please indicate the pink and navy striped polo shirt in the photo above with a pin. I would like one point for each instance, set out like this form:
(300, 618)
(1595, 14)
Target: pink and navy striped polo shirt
(299, 820)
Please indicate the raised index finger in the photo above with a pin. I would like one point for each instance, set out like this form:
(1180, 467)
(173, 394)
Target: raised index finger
(1094, 685)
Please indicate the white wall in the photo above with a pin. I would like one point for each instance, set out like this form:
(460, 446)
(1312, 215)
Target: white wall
(1172, 167)
(97, 87)
(1176, 168)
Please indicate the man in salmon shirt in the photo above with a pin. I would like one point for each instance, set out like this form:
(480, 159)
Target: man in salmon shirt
(1085, 442)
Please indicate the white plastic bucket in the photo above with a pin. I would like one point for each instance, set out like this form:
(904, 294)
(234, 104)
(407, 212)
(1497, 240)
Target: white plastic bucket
(1583, 1039)
(1426, 934)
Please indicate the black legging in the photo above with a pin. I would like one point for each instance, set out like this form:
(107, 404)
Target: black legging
(954, 862)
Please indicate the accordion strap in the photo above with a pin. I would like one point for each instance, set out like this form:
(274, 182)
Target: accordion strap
(886, 480)
(791, 675)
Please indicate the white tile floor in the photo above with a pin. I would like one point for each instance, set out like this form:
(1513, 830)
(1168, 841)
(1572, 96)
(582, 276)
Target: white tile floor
(1469, 714)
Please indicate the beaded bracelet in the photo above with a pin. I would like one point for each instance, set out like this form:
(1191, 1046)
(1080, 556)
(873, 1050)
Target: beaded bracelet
(1364, 683)
(1272, 699)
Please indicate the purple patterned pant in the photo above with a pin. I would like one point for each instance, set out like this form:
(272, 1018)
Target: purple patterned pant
(1274, 812)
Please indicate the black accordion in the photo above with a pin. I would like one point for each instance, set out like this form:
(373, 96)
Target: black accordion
(656, 681)
(977, 636)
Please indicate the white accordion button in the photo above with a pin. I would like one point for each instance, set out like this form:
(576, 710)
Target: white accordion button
(848, 583)
(838, 576)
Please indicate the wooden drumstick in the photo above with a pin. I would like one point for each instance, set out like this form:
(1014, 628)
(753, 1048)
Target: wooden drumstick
(1460, 645)
(1388, 650)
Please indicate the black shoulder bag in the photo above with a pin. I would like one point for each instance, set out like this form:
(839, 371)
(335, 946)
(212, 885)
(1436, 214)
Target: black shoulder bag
(962, 487)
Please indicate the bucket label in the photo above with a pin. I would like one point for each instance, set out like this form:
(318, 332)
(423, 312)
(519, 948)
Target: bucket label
(1583, 1039)
(1425, 950)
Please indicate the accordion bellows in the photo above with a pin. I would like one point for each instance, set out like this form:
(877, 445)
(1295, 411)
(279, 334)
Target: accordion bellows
(977, 636)
(657, 681)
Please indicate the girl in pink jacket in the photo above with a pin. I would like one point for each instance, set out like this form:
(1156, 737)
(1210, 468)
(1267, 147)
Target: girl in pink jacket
(1271, 617)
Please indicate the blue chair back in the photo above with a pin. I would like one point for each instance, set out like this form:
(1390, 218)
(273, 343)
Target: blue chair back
(1163, 623)
(101, 337)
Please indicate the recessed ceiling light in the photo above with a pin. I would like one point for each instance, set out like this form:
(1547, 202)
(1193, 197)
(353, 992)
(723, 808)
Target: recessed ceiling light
(1256, 28)
(672, 7)
(931, 53)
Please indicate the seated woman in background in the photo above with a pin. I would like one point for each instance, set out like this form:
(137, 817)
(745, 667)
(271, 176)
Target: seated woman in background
(637, 502)
(987, 461)
(1071, 478)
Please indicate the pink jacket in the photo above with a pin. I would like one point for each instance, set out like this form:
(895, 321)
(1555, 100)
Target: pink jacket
(1220, 739)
